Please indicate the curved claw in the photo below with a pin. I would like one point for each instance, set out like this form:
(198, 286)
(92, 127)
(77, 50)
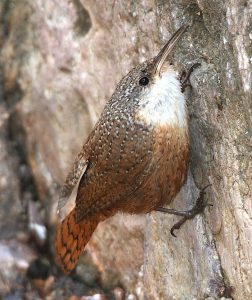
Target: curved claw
(205, 187)
(177, 225)
(185, 76)
(197, 209)
(172, 232)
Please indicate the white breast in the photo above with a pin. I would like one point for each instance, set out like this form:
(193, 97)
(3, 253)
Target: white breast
(163, 103)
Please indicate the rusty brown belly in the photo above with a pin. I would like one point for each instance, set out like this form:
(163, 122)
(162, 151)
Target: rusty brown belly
(167, 173)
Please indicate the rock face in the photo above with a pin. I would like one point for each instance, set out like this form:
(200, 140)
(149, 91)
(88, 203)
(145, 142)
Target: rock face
(60, 62)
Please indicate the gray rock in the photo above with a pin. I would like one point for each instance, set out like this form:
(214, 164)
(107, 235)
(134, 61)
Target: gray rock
(57, 80)
(14, 260)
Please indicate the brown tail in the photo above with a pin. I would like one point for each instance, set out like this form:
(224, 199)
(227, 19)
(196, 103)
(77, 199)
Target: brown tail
(71, 239)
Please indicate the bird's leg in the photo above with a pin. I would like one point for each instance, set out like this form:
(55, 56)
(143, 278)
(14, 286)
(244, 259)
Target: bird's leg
(185, 76)
(188, 214)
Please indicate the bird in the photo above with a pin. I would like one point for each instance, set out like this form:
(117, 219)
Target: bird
(135, 160)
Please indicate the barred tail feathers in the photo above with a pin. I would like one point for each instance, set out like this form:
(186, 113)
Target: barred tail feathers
(71, 239)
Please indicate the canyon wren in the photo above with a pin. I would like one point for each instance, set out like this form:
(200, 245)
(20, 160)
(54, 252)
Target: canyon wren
(136, 158)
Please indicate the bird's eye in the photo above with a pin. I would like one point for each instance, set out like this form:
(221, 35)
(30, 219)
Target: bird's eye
(144, 81)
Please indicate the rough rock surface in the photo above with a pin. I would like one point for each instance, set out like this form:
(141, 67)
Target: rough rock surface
(60, 62)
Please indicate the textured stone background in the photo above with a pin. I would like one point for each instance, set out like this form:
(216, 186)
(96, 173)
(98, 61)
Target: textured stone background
(59, 63)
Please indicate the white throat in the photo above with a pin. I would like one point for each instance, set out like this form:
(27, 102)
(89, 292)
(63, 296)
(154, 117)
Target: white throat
(164, 104)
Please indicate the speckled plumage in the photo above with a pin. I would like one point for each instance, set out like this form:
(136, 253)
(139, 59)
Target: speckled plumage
(136, 157)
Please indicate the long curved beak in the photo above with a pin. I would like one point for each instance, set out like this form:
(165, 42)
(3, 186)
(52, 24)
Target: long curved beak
(168, 47)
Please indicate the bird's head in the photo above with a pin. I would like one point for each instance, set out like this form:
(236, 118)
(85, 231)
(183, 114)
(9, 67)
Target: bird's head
(152, 89)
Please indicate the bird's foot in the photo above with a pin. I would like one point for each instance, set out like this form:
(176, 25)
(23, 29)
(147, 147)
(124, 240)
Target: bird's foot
(188, 214)
(185, 76)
